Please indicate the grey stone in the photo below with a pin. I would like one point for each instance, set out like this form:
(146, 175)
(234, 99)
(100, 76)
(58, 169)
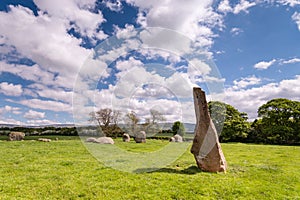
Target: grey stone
(16, 136)
(126, 137)
(44, 140)
(140, 137)
(206, 147)
(105, 140)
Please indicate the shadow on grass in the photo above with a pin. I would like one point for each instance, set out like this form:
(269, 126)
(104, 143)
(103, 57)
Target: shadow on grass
(190, 170)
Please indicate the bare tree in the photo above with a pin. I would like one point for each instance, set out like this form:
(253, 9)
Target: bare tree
(104, 118)
(152, 127)
(132, 120)
(156, 116)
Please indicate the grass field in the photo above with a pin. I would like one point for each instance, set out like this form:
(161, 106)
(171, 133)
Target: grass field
(64, 169)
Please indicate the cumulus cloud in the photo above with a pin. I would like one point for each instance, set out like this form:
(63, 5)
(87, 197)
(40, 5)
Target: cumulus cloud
(11, 121)
(10, 109)
(31, 114)
(32, 73)
(236, 31)
(44, 105)
(77, 12)
(249, 100)
(46, 39)
(224, 6)
(34, 122)
(291, 61)
(245, 82)
(296, 19)
(291, 3)
(264, 64)
(192, 18)
(242, 6)
(114, 5)
(10, 89)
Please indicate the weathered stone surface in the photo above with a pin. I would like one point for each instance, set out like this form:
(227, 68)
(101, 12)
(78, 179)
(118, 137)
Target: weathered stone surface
(16, 136)
(140, 137)
(91, 139)
(105, 140)
(206, 147)
(44, 140)
(126, 137)
(100, 140)
(176, 138)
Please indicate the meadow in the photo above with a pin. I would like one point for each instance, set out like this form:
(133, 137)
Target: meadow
(65, 169)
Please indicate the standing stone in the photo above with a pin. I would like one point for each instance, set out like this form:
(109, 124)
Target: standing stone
(126, 137)
(206, 147)
(16, 136)
(140, 137)
(176, 138)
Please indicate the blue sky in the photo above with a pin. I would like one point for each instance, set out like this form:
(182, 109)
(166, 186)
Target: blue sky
(48, 74)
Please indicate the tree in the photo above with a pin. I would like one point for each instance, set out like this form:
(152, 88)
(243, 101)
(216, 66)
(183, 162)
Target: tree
(152, 126)
(156, 116)
(280, 119)
(132, 121)
(231, 124)
(107, 119)
(178, 128)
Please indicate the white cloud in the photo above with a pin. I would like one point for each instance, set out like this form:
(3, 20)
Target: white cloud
(236, 31)
(296, 19)
(245, 82)
(114, 5)
(44, 105)
(47, 42)
(264, 64)
(249, 100)
(10, 109)
(243, 6)
(125, 33)
(32, 73)
(34, 122)
(192, 18)
(10, 89)
(11, 121)
(225, 7)
(291, 3)
(291, 61)
(31, 114)
(78, 12)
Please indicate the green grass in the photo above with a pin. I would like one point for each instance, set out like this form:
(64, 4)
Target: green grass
(65, 169)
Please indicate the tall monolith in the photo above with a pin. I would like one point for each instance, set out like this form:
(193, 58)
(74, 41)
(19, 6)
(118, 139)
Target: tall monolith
(206, 147)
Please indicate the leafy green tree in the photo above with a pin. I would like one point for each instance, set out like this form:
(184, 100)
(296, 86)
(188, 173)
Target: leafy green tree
(178, 128)
(280, 120)
(231, 124)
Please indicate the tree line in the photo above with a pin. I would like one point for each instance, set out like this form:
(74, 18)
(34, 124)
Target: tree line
(278, 122)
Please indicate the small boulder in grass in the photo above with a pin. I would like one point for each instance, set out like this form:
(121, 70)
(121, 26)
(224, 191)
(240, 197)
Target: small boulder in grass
(44, 140)
(16, 136)
(101, 140)
(91, 139)
(105, 140)
(126, 137)
(176, 138)
(140, 137)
